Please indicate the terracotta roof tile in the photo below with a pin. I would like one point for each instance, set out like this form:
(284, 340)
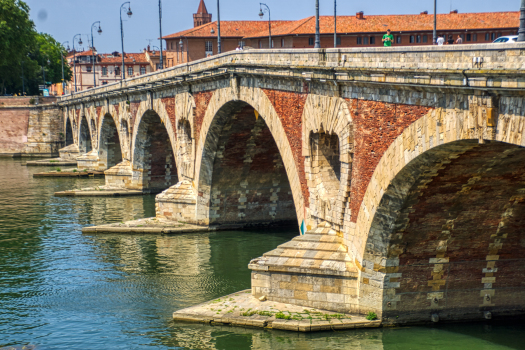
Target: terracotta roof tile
(397, 23)
(229, 29)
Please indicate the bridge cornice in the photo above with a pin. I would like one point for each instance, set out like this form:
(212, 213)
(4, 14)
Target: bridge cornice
(466, 67)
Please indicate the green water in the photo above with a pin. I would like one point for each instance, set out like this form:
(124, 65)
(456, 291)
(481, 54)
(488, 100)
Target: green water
(60, 289)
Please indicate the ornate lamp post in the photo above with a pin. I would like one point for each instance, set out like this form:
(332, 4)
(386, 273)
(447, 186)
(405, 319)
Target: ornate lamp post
(317, 35)
(160, 26)
(62, 61)
(521, 31)
(75, 57)
(129, 13)
(261, 14)
(99, 31)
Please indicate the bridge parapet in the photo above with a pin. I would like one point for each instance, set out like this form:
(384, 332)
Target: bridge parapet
(487, 65)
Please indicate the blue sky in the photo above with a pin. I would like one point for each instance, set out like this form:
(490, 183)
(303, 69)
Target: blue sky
(65, 18)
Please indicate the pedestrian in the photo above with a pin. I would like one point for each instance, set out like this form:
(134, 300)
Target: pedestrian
(450, 40)
(440, 40)
(459, 40)
(388, 39)
(238, 48)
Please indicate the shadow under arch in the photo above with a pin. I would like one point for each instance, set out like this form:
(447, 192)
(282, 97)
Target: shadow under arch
(448, 235)
(69, 133)
(109, 147)
(242, 180)
(153, 159)
(84, 139)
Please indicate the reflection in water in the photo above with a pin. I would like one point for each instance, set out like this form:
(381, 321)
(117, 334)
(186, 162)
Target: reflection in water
(64, 290)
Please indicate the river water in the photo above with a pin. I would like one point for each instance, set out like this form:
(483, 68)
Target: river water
(60, 289)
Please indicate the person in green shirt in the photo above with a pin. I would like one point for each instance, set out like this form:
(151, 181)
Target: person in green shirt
(388, 39)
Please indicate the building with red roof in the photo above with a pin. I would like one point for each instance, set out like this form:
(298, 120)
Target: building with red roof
(352, 31)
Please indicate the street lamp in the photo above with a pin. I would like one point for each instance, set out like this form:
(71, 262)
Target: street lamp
(219, 50)
(521, 31)
(261, 14)
(160, 26)
(129, 13)
(99, 31)
(75, 57)
(44, 71)
(317, 36)
(435, 24)
(62, 61)
(181, 45)
(335, 23)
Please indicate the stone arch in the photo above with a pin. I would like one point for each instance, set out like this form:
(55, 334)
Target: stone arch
(328, 150)
(84, 138)
(153, 161)
(69, 133)
(94, 133)
(109, 149)
(435, 216)
(243, 173)
(226, 100)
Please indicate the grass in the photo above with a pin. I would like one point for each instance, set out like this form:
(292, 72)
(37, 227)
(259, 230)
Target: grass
(58, 169)
(53, 161)
(74, 170)
(371, 316)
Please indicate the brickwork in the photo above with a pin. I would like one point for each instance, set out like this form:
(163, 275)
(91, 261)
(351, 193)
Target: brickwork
(13, 130)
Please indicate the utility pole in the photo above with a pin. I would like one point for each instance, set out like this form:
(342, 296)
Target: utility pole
(317, 35)
(521, 31)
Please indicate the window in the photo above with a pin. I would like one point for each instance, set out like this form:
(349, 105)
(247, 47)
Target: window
(425, 38)
(359, 40)
(469, 37)
(273, 44)
(338, 41)
(104, 82)
(398, 39)
(158, 66)
(412, 39)
(117, 70)
(130, 71)
(142, 70)
(372, 40)
(487, 37)
(104, 70)
(474, 37)
(311, 41)
(418, 38)
(88, 69)
(365, 40)
(208, 46)
(493, 36)
(282, 42)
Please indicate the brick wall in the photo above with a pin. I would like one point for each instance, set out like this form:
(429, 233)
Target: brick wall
(249, 183)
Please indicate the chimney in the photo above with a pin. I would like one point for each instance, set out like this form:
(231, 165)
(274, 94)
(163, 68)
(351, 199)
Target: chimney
(360, 15)
(424, 13)
(454, 11)
(149, 49)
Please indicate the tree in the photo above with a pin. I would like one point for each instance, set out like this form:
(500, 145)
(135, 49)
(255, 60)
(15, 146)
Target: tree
(24, 51)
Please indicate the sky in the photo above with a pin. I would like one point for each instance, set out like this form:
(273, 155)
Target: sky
(65, 18)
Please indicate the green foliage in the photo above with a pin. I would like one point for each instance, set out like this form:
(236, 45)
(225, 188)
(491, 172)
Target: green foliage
(59, 170)
(23, 51)
(371, 316)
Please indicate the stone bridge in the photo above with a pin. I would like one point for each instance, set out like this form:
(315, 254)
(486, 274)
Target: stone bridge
(404, 169)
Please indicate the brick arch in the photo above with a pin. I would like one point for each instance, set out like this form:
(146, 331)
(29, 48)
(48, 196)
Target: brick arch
(412, 165)
(225, 100)
(325, 115)
(153, 162)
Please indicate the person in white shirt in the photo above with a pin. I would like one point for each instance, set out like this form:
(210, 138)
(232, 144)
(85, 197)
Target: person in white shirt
(440, 40)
